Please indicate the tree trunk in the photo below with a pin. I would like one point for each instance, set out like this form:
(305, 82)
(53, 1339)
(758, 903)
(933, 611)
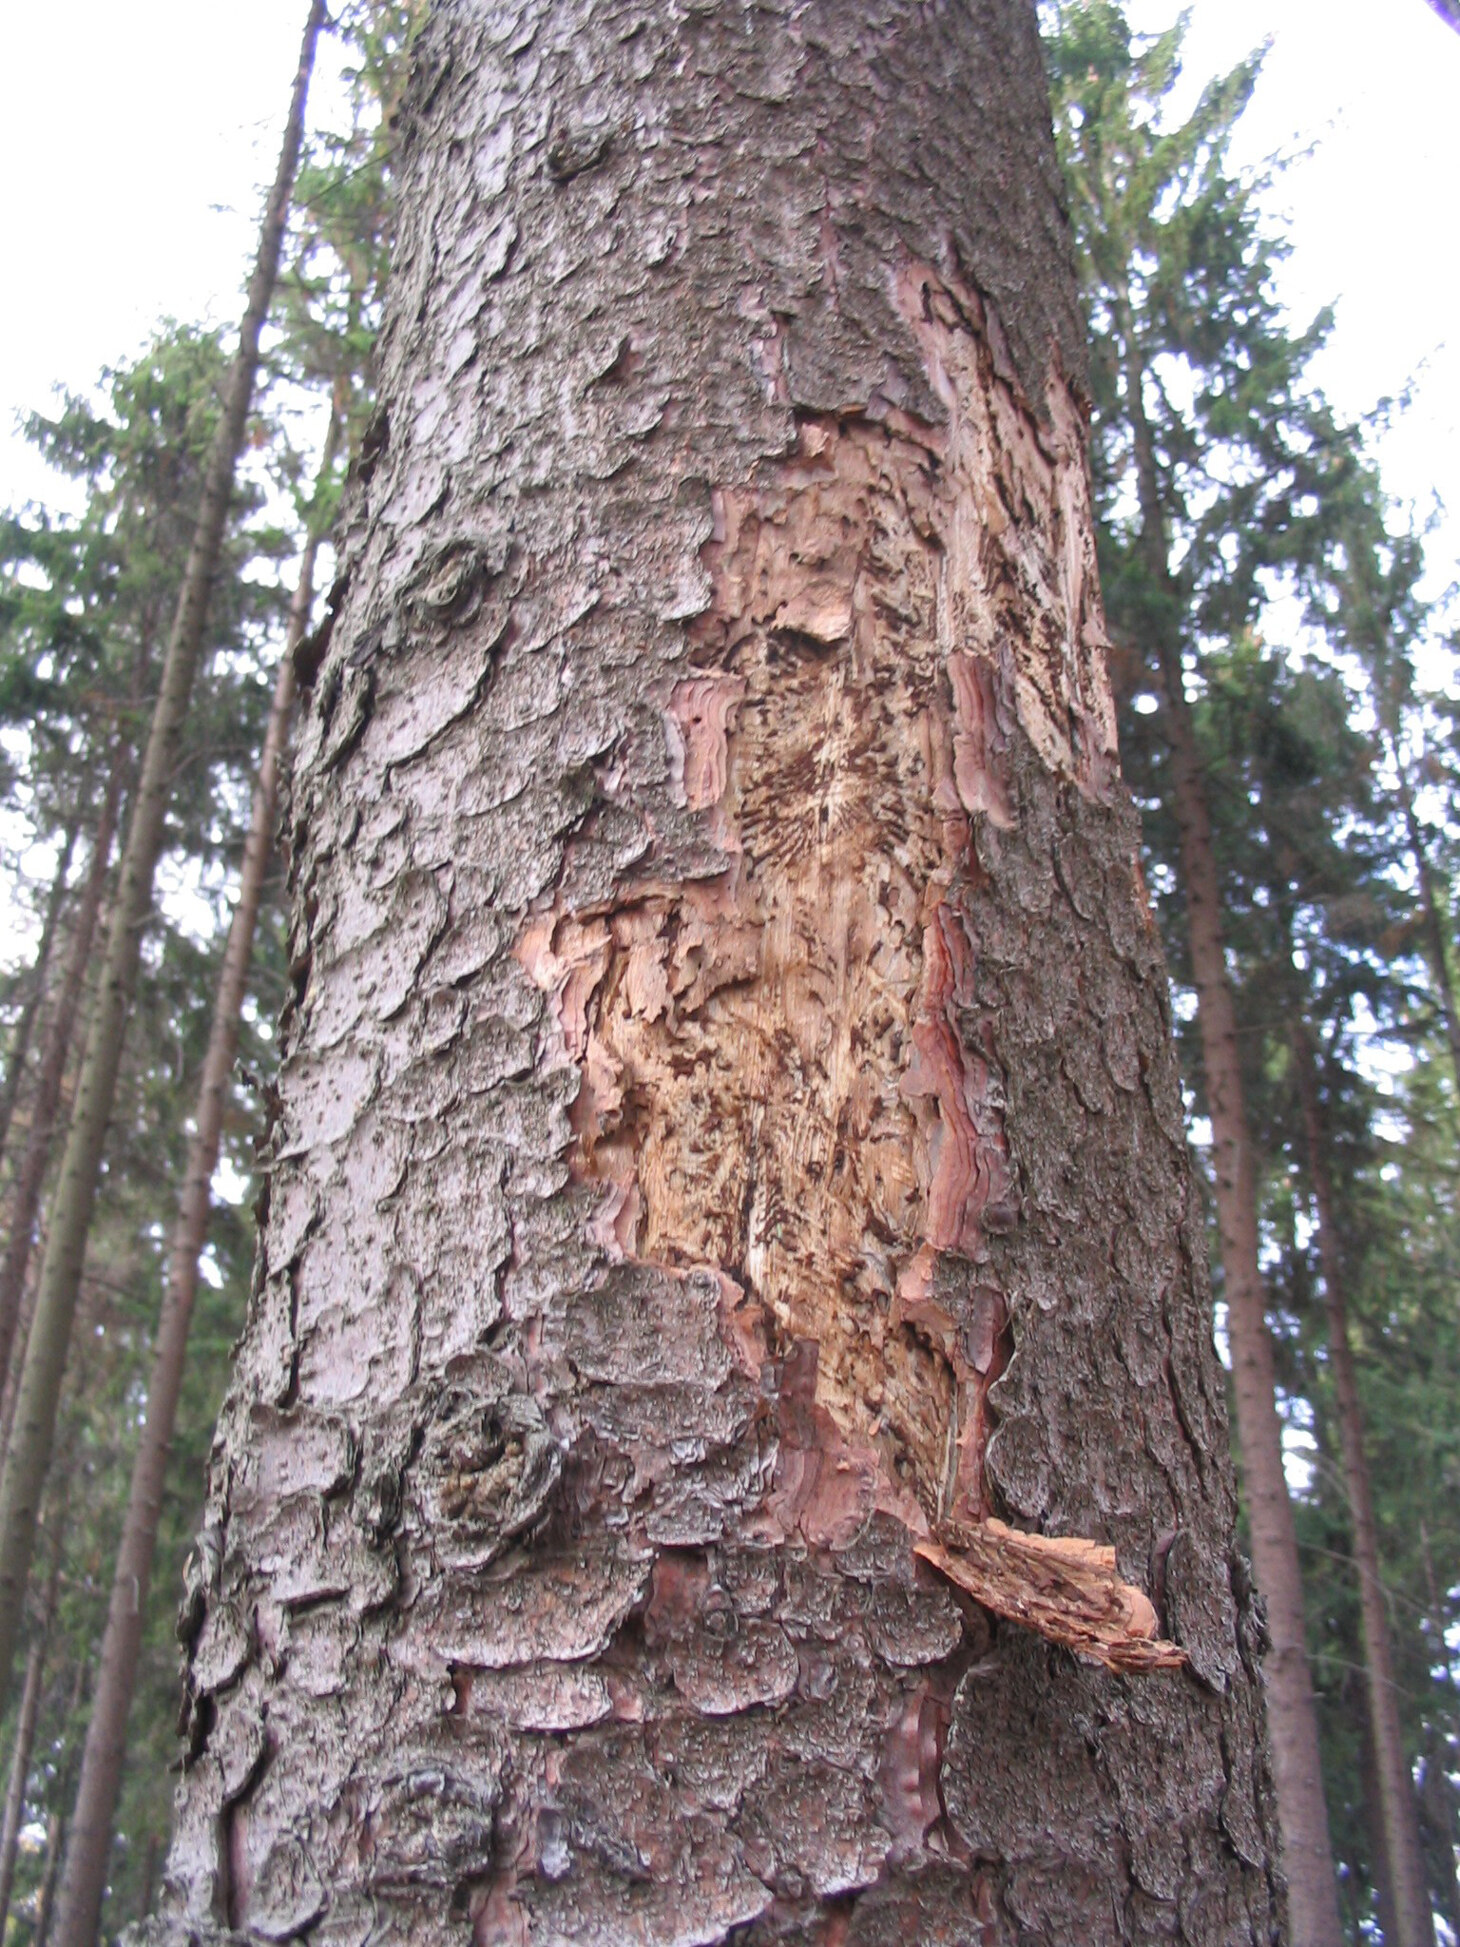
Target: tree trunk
(30, 1704)
(1393, 1779)
(150, 1862)
(1439, 1796)
(28, 1453)
(89, 1845)
(25, 1026)
(1291, 1716)
(55, 1825)
(1378, 1837)
(46, 1104)
(1439, 954)
(729, 1147)
(1437, 1801)
(50, 1878)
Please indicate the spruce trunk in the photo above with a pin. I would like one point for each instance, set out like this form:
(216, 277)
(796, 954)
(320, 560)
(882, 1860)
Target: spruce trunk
(729, 1159)
(1393, 1779)
(1292, 1717)
(28, 1453)
(30, 1704)
(1439, 953)
(88, 1846)
(19, 1049)
(55, 1824)
(50, 1081)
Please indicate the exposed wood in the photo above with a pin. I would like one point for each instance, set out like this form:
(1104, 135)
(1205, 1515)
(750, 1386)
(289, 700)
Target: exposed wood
(1061, 1587)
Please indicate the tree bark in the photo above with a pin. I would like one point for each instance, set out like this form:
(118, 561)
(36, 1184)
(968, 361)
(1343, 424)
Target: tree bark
(89, 1844)
(50, 1081)
(28, 1454)
(1393, 1779)
(25, 1026)
(729, 1147)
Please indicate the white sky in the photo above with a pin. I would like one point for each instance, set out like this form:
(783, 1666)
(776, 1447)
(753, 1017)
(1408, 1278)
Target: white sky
(135, 137)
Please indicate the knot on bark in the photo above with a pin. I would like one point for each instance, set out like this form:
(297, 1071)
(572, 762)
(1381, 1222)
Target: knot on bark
(574, 150)
(448, 586)
(485, 1473)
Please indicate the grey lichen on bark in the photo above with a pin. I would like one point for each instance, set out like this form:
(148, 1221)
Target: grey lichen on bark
(729, 1135)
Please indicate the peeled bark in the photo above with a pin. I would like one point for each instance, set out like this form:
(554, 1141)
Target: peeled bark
(88, 1846)
(28, 1453)
(729, 1156)
(30, 1180)
(1413, 1923)
(19, 1049)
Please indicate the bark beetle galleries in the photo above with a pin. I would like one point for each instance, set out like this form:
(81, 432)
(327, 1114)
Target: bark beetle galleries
(730, 1156)
(778, 1084)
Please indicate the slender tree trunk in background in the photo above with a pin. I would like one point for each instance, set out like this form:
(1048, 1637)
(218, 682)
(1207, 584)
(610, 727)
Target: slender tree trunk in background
(729, 1143)
(30, 1702)
(89, 1845)
(1439, 952)
(1437, 1800)
(55, 1824)
(28, 1453)
(25, 1727)
(1377, 1836)
(1291, 1715)
(151, 1860)
(45, 1108)
(46, 1900)
(25, 1027)
(1393, 1779)
(1439, 1797)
